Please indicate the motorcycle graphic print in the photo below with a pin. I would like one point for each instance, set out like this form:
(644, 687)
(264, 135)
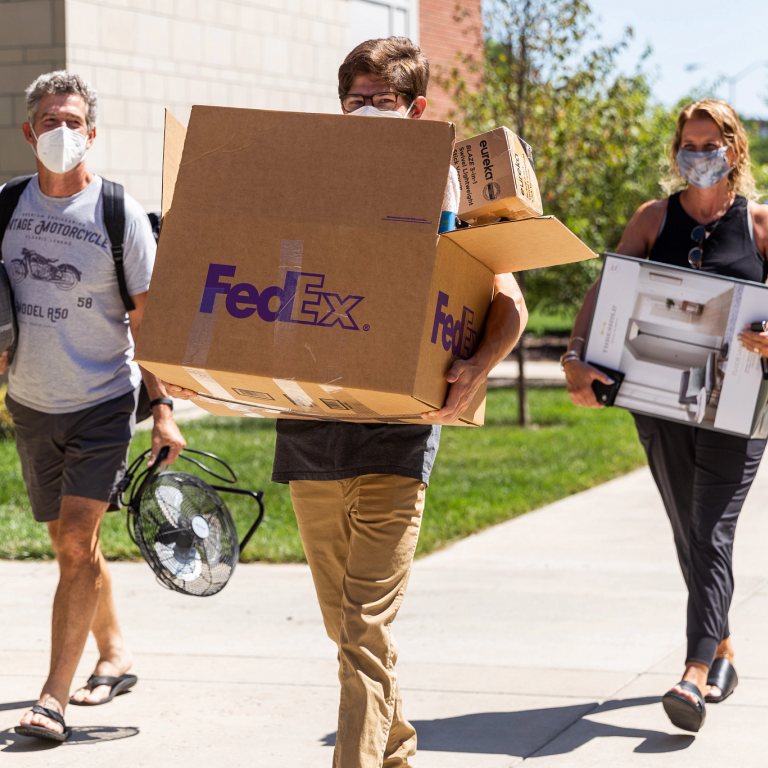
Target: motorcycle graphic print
(64, 276)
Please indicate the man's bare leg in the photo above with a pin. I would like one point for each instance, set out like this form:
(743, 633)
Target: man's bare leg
(114, 658)
(77, 597)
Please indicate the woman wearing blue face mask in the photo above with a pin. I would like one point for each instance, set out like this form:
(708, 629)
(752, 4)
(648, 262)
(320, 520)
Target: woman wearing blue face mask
(710, 224)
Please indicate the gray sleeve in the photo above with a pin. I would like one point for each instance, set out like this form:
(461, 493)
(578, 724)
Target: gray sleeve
(140, 247)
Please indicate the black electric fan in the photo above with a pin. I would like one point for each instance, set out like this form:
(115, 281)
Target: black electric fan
(182, 525)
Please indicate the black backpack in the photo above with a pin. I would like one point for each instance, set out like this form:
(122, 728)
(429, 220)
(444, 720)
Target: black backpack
(113, 198)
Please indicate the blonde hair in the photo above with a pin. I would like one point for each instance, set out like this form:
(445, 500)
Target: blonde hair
(740, 179)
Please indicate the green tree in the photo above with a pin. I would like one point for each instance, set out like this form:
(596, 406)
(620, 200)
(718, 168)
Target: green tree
(598, 137)
(758, 149)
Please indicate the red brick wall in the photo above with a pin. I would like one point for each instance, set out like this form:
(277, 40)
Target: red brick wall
(441, 36)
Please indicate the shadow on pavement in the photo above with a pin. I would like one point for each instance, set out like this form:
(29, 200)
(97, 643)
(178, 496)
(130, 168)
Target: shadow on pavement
(539, 731)
(10, 741)
(9, 705)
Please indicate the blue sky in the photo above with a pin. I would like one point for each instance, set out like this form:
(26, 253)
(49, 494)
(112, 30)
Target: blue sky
(726, 37)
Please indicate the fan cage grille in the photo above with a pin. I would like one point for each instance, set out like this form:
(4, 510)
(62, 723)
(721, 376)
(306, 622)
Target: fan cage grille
(166, 530)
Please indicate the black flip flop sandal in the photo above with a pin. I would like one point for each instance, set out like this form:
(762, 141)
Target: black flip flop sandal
(722, 674)
(682, 711)
(118, 685)
(39, 732)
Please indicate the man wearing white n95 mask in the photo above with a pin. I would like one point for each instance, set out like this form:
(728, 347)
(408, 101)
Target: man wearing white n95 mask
(61, 149)
(73, 384)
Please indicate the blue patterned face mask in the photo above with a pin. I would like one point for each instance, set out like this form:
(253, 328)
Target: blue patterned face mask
(703, 169)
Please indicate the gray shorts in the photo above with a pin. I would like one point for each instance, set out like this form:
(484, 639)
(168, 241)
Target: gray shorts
(84, 453)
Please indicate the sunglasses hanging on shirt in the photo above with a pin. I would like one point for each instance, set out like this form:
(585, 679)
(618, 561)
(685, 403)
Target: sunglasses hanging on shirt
(699, 235)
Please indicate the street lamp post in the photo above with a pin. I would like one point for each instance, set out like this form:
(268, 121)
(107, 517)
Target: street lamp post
(730, 80)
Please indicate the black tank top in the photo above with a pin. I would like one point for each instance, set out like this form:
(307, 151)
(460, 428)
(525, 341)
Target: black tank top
(729, 250)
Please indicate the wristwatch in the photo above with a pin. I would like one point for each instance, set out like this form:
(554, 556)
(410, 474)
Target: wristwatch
(161, 401)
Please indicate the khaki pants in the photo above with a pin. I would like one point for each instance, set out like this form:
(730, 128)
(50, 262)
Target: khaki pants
(359, 536)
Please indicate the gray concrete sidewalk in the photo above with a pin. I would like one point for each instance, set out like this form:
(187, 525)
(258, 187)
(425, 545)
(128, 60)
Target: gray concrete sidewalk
(537, 372)
(547, 640)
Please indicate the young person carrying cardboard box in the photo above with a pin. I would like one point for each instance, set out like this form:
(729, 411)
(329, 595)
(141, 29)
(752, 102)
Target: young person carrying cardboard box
(359, 489)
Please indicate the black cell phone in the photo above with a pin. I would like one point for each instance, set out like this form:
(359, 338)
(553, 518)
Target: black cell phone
(606, 393)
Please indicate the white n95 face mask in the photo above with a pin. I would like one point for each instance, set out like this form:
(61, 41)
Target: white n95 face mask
(61, 149)
(370, 111)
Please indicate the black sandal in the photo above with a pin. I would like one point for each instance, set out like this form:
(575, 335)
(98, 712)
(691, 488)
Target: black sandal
(119, 685)
(40, 731)
(682, 711)
(722, 674)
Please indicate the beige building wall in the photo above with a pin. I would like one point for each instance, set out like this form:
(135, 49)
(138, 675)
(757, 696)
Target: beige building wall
(145, 55)
(32, 40)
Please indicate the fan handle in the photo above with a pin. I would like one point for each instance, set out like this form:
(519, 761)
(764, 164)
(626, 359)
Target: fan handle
(133, 504)
(148, 475)
(258, 495)
(232, 476)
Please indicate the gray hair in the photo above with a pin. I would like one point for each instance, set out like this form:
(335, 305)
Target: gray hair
(62, 82)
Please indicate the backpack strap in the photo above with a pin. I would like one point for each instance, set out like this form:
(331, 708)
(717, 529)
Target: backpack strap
(155, 221)
(9, 199)
(113, 197)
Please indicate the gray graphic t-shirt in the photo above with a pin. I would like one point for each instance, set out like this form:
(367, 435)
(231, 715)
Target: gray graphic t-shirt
(75, 347)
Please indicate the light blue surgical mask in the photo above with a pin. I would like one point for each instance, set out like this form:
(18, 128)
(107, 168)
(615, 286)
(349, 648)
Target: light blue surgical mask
(703, 169)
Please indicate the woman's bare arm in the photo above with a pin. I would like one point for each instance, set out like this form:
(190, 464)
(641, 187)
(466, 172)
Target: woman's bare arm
(757, 341)
(759, 215)
(638, 239)
(643, 229)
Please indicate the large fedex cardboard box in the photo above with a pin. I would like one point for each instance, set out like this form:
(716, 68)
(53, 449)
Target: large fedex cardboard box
(672, 333)
(300, 274)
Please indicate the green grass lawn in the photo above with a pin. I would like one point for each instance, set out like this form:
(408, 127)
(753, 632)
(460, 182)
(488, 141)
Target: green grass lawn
(546, 324)
(482, 476)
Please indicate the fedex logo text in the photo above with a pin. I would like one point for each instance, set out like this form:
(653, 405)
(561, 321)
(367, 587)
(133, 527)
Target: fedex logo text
(458, 336)
(300, 300)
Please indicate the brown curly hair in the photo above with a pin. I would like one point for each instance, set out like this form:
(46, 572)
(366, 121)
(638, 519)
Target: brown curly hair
(396, 61)
(740, 179)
